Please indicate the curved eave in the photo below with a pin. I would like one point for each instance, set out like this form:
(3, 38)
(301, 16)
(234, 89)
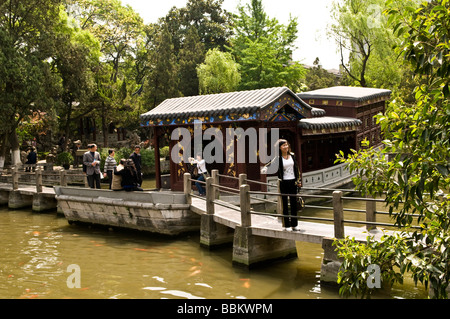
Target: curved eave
(328, 122)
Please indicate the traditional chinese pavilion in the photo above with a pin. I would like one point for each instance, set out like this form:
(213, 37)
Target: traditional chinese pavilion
(352, 102)
(314, 137)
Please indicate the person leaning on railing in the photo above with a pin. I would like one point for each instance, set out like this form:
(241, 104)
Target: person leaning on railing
(202, 172)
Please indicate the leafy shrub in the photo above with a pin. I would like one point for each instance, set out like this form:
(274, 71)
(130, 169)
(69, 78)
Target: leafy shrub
(63, 158)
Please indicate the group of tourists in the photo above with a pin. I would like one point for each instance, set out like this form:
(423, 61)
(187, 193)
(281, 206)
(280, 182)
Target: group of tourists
(126, 175)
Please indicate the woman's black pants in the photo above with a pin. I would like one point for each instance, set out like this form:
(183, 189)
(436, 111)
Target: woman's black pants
(289, 187)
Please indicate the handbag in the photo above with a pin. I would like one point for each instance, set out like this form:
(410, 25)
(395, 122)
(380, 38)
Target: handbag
(300, 201)
(193, 170)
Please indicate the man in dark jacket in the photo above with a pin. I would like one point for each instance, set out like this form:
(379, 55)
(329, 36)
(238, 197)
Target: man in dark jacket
(31, 159)
(136, 157)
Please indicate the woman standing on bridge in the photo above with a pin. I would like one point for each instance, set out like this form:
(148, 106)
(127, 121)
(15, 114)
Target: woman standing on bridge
(289, 175)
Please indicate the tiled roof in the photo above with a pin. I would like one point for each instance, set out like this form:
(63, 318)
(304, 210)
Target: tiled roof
(345, 93)
(328, 122)
(219, 104)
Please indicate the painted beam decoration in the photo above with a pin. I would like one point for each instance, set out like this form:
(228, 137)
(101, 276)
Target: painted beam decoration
(273, 104)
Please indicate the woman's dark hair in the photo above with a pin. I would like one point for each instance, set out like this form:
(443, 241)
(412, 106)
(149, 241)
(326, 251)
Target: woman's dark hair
(280, 142)
(110, 151)
(129, 165)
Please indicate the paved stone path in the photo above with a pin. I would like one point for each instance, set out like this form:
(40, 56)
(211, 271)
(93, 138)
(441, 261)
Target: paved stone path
(270, 226)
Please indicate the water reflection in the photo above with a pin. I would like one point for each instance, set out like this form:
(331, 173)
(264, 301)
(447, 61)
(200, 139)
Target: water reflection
(38, 248)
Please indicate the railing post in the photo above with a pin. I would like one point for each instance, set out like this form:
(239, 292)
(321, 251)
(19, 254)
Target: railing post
(15, 177)
(215, 180)
(38, 174)
(209, 196)
(371, 207)
(187, 187)
(279, 199)
(242, 179)
(62, 178)
(338, 209)
(244, 195)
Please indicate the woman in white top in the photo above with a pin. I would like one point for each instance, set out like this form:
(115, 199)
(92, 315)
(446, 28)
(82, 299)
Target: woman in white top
(289, 174)
(201, 168)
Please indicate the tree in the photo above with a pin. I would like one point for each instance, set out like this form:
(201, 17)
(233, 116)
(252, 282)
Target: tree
(191, 55)
(263, 47)
(163, 81)
(76, 53)
(417, 175)
(360, 29)
(219, 73)
(26, 83)
(318, 78)
(119, 29)
(213, 24)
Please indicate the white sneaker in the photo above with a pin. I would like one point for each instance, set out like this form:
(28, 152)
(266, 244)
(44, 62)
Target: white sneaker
(296, 228)
(287, 228)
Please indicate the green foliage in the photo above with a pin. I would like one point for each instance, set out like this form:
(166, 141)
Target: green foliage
(25, 80)
(164, 151)
(64, 158)
(412, 169)
(147, 157)
(219, 73)
(355, 272)
(163, 82)
(148, 160)
(122, 153)
(362, 31)
(263, 48)
(319, 78)
(190, 56)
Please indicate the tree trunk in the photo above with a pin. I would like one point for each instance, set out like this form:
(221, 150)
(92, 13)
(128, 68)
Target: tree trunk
(15, 150)
(3, 149)
(104, 125)
(67, 129)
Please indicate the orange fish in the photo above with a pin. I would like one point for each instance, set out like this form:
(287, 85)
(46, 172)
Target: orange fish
(193, 268)
(36, 233)
(194, 273)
